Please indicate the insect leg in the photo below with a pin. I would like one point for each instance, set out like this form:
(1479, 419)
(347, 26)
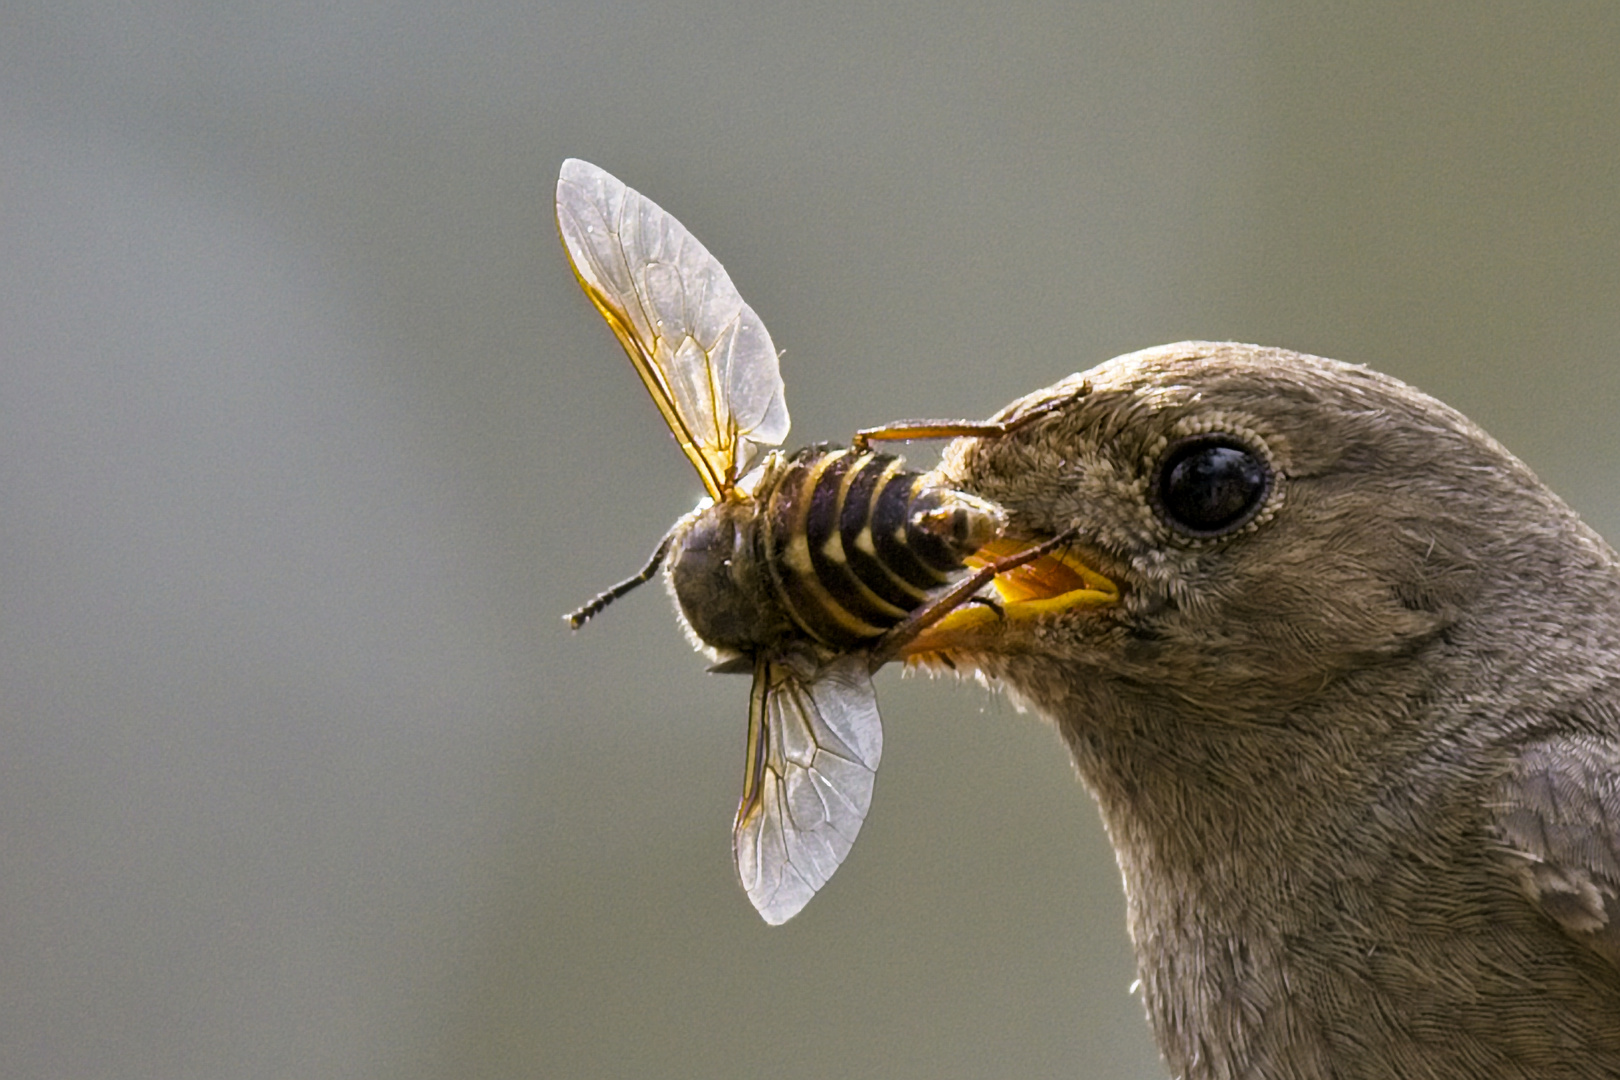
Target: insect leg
(759, 745)
(905, 430)
(576, 619)
(889, 645)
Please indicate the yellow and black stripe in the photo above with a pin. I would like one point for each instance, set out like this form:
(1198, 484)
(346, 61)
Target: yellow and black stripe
(854, 542)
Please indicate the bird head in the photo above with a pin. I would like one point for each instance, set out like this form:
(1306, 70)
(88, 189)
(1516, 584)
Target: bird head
(1254, 526)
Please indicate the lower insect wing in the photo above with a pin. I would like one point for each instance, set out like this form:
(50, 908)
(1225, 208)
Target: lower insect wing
(813, 750)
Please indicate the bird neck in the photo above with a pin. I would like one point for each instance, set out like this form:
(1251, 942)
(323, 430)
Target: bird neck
(1257, 857)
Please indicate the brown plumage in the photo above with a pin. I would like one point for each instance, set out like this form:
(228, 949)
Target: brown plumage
(1353, 721)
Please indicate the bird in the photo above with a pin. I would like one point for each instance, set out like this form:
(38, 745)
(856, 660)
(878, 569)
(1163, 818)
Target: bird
(1343, 678)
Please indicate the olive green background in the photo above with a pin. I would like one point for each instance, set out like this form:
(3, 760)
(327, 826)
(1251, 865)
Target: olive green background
(307, 439)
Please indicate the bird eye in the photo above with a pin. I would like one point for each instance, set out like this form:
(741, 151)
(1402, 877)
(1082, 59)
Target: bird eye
(1212, 484)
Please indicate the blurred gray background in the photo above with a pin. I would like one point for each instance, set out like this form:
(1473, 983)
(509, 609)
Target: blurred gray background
(308, 439)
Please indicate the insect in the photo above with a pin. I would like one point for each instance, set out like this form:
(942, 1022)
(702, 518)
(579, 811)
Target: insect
(809, 571)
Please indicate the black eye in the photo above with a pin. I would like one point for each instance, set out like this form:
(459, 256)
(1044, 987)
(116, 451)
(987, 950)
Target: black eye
(1211, 484)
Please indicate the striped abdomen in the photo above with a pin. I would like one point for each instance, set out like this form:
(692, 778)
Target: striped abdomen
(852, 542)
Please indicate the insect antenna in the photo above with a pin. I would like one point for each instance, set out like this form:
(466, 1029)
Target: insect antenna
(576, 619)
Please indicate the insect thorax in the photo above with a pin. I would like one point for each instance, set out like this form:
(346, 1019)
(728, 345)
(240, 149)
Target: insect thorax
(719, 581)
(835, 545)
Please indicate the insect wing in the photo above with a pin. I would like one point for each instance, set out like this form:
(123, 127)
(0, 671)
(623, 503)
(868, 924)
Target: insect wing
(813, 750)
(703, 354)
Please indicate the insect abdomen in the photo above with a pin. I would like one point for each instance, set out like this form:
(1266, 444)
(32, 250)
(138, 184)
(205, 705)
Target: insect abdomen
(854, 542)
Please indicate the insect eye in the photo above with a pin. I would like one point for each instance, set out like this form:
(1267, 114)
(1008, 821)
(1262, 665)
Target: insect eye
(1211, 484)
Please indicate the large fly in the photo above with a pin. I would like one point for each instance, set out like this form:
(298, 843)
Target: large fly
(809, 571)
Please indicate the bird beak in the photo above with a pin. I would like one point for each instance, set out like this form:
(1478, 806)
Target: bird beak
(1052, 583)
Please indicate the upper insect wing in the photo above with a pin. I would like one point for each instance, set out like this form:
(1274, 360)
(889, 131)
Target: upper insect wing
(813, 756)
(702, 352)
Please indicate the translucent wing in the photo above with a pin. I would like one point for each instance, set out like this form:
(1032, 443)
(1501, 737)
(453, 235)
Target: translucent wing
(813, 750)
(704, 355)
